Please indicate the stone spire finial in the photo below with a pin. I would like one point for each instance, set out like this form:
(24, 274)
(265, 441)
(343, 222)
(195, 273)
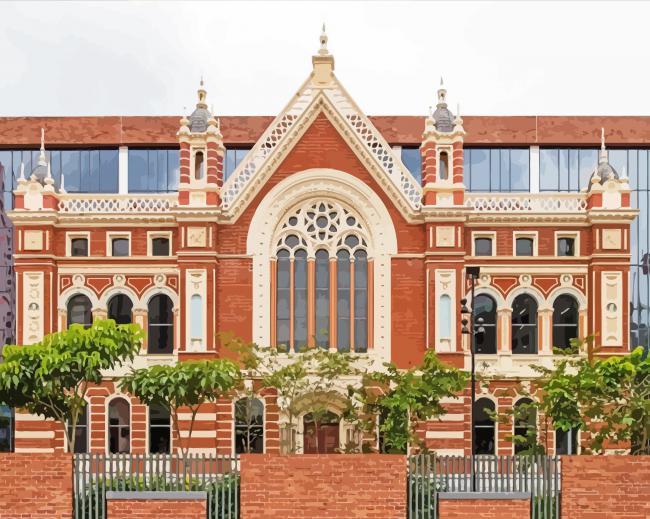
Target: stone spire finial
(42, 159)
(62, 188)
(323, 43)
(603, 151)
(442, 94)
(202, 95)
(22, 171)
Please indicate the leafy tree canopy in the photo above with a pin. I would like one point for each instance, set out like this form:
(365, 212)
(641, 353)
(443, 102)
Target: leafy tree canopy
(51, 377)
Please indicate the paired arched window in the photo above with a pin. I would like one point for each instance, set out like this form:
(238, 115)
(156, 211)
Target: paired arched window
(483, 425)
(565, 321)
(7, 425)
(119, 426)
(160, 337)
(249, 426)
(525, 425)
(80, 311)
(524, 324)
(159, 429)
(485, 317)
(322, 273)
(120, 308)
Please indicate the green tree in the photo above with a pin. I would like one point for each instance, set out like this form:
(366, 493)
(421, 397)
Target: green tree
(309, 381)
(188, 384)
(51, 377)
(607, 397)
(401, 398)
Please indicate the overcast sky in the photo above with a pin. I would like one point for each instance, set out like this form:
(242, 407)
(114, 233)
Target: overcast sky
(503, 58)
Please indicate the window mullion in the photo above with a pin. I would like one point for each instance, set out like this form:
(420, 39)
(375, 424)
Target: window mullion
(292, 298)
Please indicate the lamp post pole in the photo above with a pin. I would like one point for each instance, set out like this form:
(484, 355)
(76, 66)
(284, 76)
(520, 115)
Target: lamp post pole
(473, 273)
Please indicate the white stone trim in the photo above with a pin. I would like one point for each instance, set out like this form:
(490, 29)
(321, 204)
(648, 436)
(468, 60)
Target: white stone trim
(110, 236)
(350, 191)
(69, 236)
(444, 435)
(158, 234)
(533, 235)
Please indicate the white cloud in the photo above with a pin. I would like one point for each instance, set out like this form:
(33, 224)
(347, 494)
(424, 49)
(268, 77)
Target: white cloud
(499, 58)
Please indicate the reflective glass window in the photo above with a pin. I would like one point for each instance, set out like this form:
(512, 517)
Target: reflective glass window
(483, 425)
(249, 426)
(160, 337)
(79, 247)
(485, 324)
(153, 170)
(483, 246)
(160, 246)
(412, 159)
(159, 430)
(524, 325)
(497, 169)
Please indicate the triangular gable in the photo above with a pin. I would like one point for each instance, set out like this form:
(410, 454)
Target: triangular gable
(287, 128)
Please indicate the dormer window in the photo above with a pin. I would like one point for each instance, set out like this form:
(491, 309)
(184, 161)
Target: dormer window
(199, 165)
(444, 165)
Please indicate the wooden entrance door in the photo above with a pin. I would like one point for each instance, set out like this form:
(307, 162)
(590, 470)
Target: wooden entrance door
(323, 439)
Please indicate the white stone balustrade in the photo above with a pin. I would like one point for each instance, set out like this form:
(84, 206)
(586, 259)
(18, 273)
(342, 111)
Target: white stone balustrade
(101, 203)
(527, 202)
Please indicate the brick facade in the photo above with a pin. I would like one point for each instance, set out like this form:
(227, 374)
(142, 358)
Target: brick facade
(323, 487)
(156, 508)
(479, 508)
(605, 486)
(35, 486)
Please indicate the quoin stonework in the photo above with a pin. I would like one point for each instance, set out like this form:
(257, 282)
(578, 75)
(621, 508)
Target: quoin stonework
(324, 227)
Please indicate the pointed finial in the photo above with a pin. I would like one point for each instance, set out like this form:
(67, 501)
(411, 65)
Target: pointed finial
(442, 83)
(323, 43)
(62, 188)
(603, 151)
(22, 171)
(202, 95)
(42, 159)
(442, 94)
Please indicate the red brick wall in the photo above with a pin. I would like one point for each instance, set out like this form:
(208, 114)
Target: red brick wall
(323, 487)
(483, 508)
(605, 486)
(155, 509)
(35, 486)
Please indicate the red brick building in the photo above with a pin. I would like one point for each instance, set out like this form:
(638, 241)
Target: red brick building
(314, 228)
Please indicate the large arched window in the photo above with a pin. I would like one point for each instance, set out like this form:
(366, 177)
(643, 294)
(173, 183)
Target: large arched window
(119, 426)
(161, 325)
(249, 426)
(322, 272)
(485, 317)
(80, 311)
(6, 429)
(524, 324)
(483, 424)
(119, 309)
(565, 321)
(525, 426)
(159, 429)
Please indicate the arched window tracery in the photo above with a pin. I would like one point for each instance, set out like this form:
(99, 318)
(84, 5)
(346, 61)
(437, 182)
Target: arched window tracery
(323, 272)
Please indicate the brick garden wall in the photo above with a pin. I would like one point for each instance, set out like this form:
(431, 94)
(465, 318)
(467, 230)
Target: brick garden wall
(155, 509)
(35, 486)
(483, 508)
(605, 486)
(341, 486)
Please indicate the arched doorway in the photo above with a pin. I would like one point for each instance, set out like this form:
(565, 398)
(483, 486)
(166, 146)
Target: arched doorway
(320, 433)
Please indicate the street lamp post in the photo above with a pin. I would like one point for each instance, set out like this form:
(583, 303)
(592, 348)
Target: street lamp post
(469, 328)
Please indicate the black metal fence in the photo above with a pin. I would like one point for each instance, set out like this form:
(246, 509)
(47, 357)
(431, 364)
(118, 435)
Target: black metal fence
(95, 474)
(537, 475)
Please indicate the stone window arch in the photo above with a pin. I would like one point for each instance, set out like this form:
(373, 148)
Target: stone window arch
(160, 336)
(79, 310)
(524, 324)
(120, 308)
(565, 320)
(322, 271)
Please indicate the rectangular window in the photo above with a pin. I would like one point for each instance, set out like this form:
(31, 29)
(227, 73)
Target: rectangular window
(154, 171)
(119, 247)
(525, 246)
(160, 246)
(483, 247)
(79, 247)
(232, 160)
(412, 159)
(566, 169)
(497, 169)
(566, 246)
